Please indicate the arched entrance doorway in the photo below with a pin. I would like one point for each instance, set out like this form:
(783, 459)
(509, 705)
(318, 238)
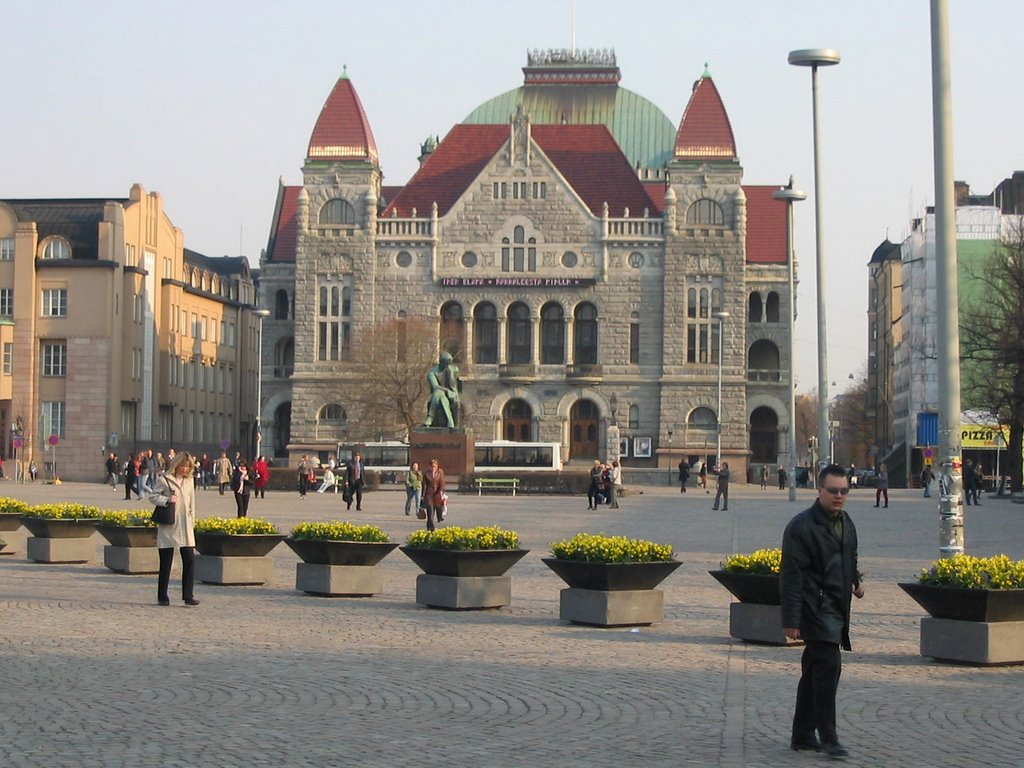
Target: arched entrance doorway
(764, 429)
(583, 421)
(282, 428)
(517, 421)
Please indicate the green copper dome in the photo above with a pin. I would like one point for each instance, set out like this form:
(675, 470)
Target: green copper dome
(583, 89)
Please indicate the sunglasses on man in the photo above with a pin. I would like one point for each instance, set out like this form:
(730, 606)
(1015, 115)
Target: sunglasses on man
(838, 491)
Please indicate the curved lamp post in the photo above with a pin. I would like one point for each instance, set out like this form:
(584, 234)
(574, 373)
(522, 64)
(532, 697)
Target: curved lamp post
(814, 58)
(790, 195)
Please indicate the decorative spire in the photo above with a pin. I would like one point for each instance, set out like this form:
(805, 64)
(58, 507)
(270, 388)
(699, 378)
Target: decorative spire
(342, 131)
(705, 132)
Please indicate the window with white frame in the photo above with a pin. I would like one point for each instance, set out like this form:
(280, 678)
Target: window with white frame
(6, 302)
(6, 248)
(52, 419)
(55, 302)
(334, 318)
(137, 364)
(8, 358)
(56, 248)
(55, 357)
(702, 330)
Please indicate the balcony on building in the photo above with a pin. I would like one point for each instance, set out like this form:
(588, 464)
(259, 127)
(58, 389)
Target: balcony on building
(764, 375)
(517, 373)
(584, 372)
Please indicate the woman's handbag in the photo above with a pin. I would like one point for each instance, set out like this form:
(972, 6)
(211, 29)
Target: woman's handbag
(164, 514)
(421, 513)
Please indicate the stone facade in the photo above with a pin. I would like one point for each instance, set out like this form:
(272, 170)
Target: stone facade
(652, 254)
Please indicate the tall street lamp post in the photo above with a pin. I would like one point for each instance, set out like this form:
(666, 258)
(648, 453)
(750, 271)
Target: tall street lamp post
(789, 195)
(721, 317)
(814, 58)
(262, 314)
(670, 456)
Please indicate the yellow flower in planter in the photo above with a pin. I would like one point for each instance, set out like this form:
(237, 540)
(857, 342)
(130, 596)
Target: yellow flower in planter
(235, 525)
(336, 530)
(761, 561)
(969, 572)
(453, 537)
(599, 548)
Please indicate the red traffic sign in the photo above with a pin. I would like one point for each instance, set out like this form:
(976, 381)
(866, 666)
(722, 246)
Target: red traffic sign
(53, 439)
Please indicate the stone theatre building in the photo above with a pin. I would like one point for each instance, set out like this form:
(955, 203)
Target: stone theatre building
(575, 245)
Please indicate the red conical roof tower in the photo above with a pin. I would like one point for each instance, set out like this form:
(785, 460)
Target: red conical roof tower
(705, 132)
(342, 131)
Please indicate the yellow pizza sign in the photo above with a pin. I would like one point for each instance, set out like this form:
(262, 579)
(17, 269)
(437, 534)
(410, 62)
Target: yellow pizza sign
(982, 436)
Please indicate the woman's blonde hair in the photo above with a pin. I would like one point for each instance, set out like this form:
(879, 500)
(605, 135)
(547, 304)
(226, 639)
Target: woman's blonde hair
(182, 458)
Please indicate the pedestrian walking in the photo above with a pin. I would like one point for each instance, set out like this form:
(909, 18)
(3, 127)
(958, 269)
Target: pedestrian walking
(433, 493)
(260, 477)
(176, 487)
(722, 486)
(702, 477)
(222, 468)
(413, 486)
(819, 575)
(764, 477)
(355, 478)
(615, 489)
(684, 475)
(304, 475)
(594, 488)
(782, 478)
(112, 470)
(926, 481)
(882, 485)
(979, 482)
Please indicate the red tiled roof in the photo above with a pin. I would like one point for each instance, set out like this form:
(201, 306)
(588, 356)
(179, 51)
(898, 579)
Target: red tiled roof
(586, 155)
(705, 132)
(590, 160)
(656, 191)
(389, 193)
(342, 131)
(766, 226)
(285, 230)
(445, 175)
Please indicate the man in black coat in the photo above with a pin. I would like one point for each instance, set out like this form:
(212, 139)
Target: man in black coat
(819, 575)
(355, 481)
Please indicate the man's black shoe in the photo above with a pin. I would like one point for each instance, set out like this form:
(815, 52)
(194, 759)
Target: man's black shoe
(191, 601)
(834, 749)
(811, 744)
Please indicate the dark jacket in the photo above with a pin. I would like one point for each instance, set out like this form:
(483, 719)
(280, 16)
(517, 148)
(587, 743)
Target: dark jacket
(818, 575)
(355, 477)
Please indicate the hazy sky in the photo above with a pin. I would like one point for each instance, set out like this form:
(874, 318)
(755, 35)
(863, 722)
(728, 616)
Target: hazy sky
(209, 103)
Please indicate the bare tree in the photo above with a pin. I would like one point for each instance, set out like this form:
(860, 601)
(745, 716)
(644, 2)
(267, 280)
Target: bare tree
(856, 426)
(393, 398)
(992, 342)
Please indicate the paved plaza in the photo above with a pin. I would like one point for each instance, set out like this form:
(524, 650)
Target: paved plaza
(94, 673)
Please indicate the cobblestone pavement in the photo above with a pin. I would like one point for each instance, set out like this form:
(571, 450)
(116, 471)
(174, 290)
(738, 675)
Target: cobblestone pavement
(93, 673)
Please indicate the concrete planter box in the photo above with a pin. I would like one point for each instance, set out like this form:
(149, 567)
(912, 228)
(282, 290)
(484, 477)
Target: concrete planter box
(338, 580)
(971, 626)
(612, 608)
(132, 560)
(463, 592)
(74, 550)
(613, 577)
(128, 535)
(757, 617)
(245, 545)
(10, 521)
(330, 552)
(234, 571)
(464, 562)
(56, 528)
(760, 588)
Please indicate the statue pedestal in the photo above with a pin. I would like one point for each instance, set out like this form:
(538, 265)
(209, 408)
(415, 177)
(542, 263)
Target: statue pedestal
(454, 449)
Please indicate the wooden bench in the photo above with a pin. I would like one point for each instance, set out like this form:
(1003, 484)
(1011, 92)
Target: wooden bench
(497, 484)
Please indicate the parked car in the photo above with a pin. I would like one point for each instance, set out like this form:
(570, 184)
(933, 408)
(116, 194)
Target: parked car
(866, 477)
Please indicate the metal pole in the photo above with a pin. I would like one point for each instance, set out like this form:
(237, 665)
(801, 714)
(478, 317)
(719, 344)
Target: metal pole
(261, 314)
(670, 457)
(947, 334)
(721, 317)
(790, 195)
(814, 58)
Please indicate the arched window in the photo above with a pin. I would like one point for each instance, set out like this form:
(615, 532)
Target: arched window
(585, 334)
(485, 333)
(281, 305)
(702, 418)
(56, 248)
(453, 330)
(284, 358)
(634, 416)
(763, 361)
(764, 429)
(337, 211)
(520, 336)
(772, 308)
(754, 308)
(705, 211)
(519, 255)
(552, 334)
(332, 415)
